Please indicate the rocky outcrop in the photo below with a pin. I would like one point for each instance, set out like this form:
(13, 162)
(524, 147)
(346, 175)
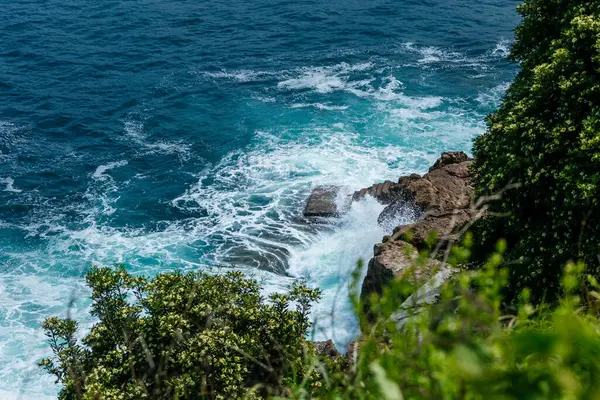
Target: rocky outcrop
(386, 193)
(397, 259)
(449, 157)
(426, 295)
(326, 348)
(440, 203)
(323, 202)
(443, 197)
(434, 229)
(444, 188)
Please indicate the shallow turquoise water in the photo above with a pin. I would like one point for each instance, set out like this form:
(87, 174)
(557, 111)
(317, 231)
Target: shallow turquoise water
(186, 135)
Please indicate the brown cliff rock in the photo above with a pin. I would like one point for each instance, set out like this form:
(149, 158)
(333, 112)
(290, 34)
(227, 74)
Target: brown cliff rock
(396, 259)
(444, 197)
(326, 348)
(443, 189)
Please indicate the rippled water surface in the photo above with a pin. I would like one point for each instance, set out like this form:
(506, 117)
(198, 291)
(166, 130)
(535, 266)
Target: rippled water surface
(188, 134)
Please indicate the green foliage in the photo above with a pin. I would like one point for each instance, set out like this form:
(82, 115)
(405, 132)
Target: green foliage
(189, 336)
(467, 347)
(181, 336)
(546, 138)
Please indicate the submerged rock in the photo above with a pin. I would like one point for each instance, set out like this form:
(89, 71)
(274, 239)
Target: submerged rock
(322, 202)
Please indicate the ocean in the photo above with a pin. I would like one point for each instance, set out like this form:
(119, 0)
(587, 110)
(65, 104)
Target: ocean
(187, 135)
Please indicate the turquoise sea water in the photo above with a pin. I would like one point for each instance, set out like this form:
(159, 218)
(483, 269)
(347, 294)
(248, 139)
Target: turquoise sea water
(188, 134)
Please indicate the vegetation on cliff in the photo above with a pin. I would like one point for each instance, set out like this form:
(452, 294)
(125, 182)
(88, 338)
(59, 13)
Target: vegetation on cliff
(190, 336)
(181, 336)
(545, 138)
(468, 347)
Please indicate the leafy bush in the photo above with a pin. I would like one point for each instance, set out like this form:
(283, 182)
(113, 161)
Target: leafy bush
(546, 137)
(467, 347)
(181, 336)
(192, 336)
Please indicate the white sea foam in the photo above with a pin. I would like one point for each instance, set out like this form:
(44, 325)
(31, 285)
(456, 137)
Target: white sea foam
(493, 97)
(326, 80)
(264, 99)
(320, 106)
(502, 49)
(4, 395)
(100, 172)
(430, 56)
(9, 182)
(243, 75)
(27, 299)
(134, 130)
(329, 260)
(323, 79)
(318, 80)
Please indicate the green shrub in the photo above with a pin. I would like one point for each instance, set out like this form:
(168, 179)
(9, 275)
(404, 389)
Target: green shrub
(181, 335)
(192, 336)
(546, 137)
(467, 346)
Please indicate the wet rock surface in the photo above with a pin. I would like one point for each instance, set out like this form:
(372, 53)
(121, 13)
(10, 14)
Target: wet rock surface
(398, 210)
(439, 228)
(386, 192)
(442, 199)
(397, 259)
(322, 202)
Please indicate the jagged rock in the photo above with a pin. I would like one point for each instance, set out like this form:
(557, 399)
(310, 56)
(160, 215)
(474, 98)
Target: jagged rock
(443, 189)
(322, 202)
(405, 180)
(398, 212)
(450, 157)
(326, 348)
(396, 259)
(446, 227)
(426, 295)
(443, 196)
(386, 192)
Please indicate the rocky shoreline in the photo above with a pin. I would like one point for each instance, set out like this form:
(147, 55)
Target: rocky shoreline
(442, 201)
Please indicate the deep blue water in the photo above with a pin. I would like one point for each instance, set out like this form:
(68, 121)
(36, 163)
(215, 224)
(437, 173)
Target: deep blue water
(188, 134)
